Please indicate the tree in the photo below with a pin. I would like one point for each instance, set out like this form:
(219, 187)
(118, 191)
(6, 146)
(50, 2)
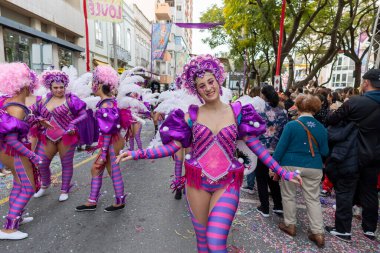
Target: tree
(358, 20)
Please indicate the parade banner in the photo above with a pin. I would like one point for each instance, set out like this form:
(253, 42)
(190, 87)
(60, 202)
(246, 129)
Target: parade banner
(160, 38)
(106, 10)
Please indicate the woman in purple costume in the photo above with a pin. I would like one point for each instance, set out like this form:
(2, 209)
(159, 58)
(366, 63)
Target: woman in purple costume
(109, 119)
(17, 81)
(88, 131)
(213, 174)
(64, 111)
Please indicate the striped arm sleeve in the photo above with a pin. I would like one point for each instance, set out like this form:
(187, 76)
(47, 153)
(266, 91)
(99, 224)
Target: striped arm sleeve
(157, 152)
(257, 148)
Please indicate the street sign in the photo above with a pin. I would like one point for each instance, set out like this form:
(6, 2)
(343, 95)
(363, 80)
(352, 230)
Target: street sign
(277, 83)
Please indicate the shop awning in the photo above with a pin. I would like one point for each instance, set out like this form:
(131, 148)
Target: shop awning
(99, 63)
(33, 32)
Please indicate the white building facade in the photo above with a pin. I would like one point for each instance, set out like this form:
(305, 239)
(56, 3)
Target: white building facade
(102, 47)
(40, 33)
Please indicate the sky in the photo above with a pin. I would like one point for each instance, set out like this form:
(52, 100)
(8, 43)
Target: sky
(199, 7)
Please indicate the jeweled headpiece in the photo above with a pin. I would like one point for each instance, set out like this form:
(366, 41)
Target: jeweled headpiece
(198, 67)
(57, 76)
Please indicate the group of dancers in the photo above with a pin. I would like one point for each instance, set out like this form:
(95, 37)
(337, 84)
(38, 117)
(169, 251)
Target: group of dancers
(33, 129)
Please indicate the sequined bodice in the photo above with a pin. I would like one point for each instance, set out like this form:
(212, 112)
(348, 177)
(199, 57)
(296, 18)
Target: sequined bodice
(214, 154)
(204, 138)
(61, 115)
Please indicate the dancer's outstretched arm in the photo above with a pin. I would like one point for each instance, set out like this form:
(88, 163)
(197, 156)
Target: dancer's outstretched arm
(252, 125)
(150, 153)
(263, 154)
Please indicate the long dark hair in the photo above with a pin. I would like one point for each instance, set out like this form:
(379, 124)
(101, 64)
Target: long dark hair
(270, 95)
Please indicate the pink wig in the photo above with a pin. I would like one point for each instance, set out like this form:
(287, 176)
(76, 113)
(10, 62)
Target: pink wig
(35, 84)
(54, 76)
(105, 75)
(197, 67)
(14, 77)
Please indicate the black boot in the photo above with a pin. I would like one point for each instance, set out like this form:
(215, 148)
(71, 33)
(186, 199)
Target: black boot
(178, 194)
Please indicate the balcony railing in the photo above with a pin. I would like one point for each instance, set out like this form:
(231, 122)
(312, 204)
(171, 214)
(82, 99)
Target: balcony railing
(120, 53)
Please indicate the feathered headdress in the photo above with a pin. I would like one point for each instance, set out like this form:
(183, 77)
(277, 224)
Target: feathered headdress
(197, 68)
(48, 77)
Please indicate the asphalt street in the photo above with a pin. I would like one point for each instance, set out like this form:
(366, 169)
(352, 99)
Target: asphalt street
(153, 220)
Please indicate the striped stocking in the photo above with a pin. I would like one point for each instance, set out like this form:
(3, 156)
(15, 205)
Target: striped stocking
(19, 201)
(44, 166)
(67, 169)
(117, 178)
(220, 221)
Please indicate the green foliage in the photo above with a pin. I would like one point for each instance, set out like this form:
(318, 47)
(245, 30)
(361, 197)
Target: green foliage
(315, 29)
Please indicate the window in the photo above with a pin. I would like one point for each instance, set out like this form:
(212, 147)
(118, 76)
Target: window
(17, 47)
(118, 34)
(179, 8)
(337, 78)
(98, 34)
(340, 61)
(128, 39)
(65, 57)
(344, 77)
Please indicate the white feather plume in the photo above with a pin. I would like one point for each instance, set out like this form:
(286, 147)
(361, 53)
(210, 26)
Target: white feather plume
(252, 157)
(226, 95)
(41, 91)
(130, 72)
(129, 88)
(257, 102)
(91, 102)
(156, 141)
(135, 105)
(81, 86)
(72, 72)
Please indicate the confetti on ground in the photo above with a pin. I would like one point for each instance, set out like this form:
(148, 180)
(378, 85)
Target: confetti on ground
(139, 228)
(251, 232)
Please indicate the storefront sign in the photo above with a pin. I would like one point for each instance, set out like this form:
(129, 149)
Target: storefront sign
(106, 10)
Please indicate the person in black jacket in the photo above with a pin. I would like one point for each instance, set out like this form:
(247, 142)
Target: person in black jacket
(364, 111)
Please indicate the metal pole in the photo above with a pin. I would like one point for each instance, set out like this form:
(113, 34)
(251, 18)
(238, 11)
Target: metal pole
(114, 45)
(87, 38)
(373, 41)
(279, 51)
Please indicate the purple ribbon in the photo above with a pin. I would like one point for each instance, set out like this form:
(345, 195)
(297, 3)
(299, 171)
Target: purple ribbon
(198, 25)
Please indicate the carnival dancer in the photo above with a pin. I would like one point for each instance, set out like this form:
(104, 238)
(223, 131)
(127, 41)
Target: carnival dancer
(17, 81)
(64, 111)
(129, 96)
(81, 87)
(33, 102)
(110, 121)
(213, 175)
